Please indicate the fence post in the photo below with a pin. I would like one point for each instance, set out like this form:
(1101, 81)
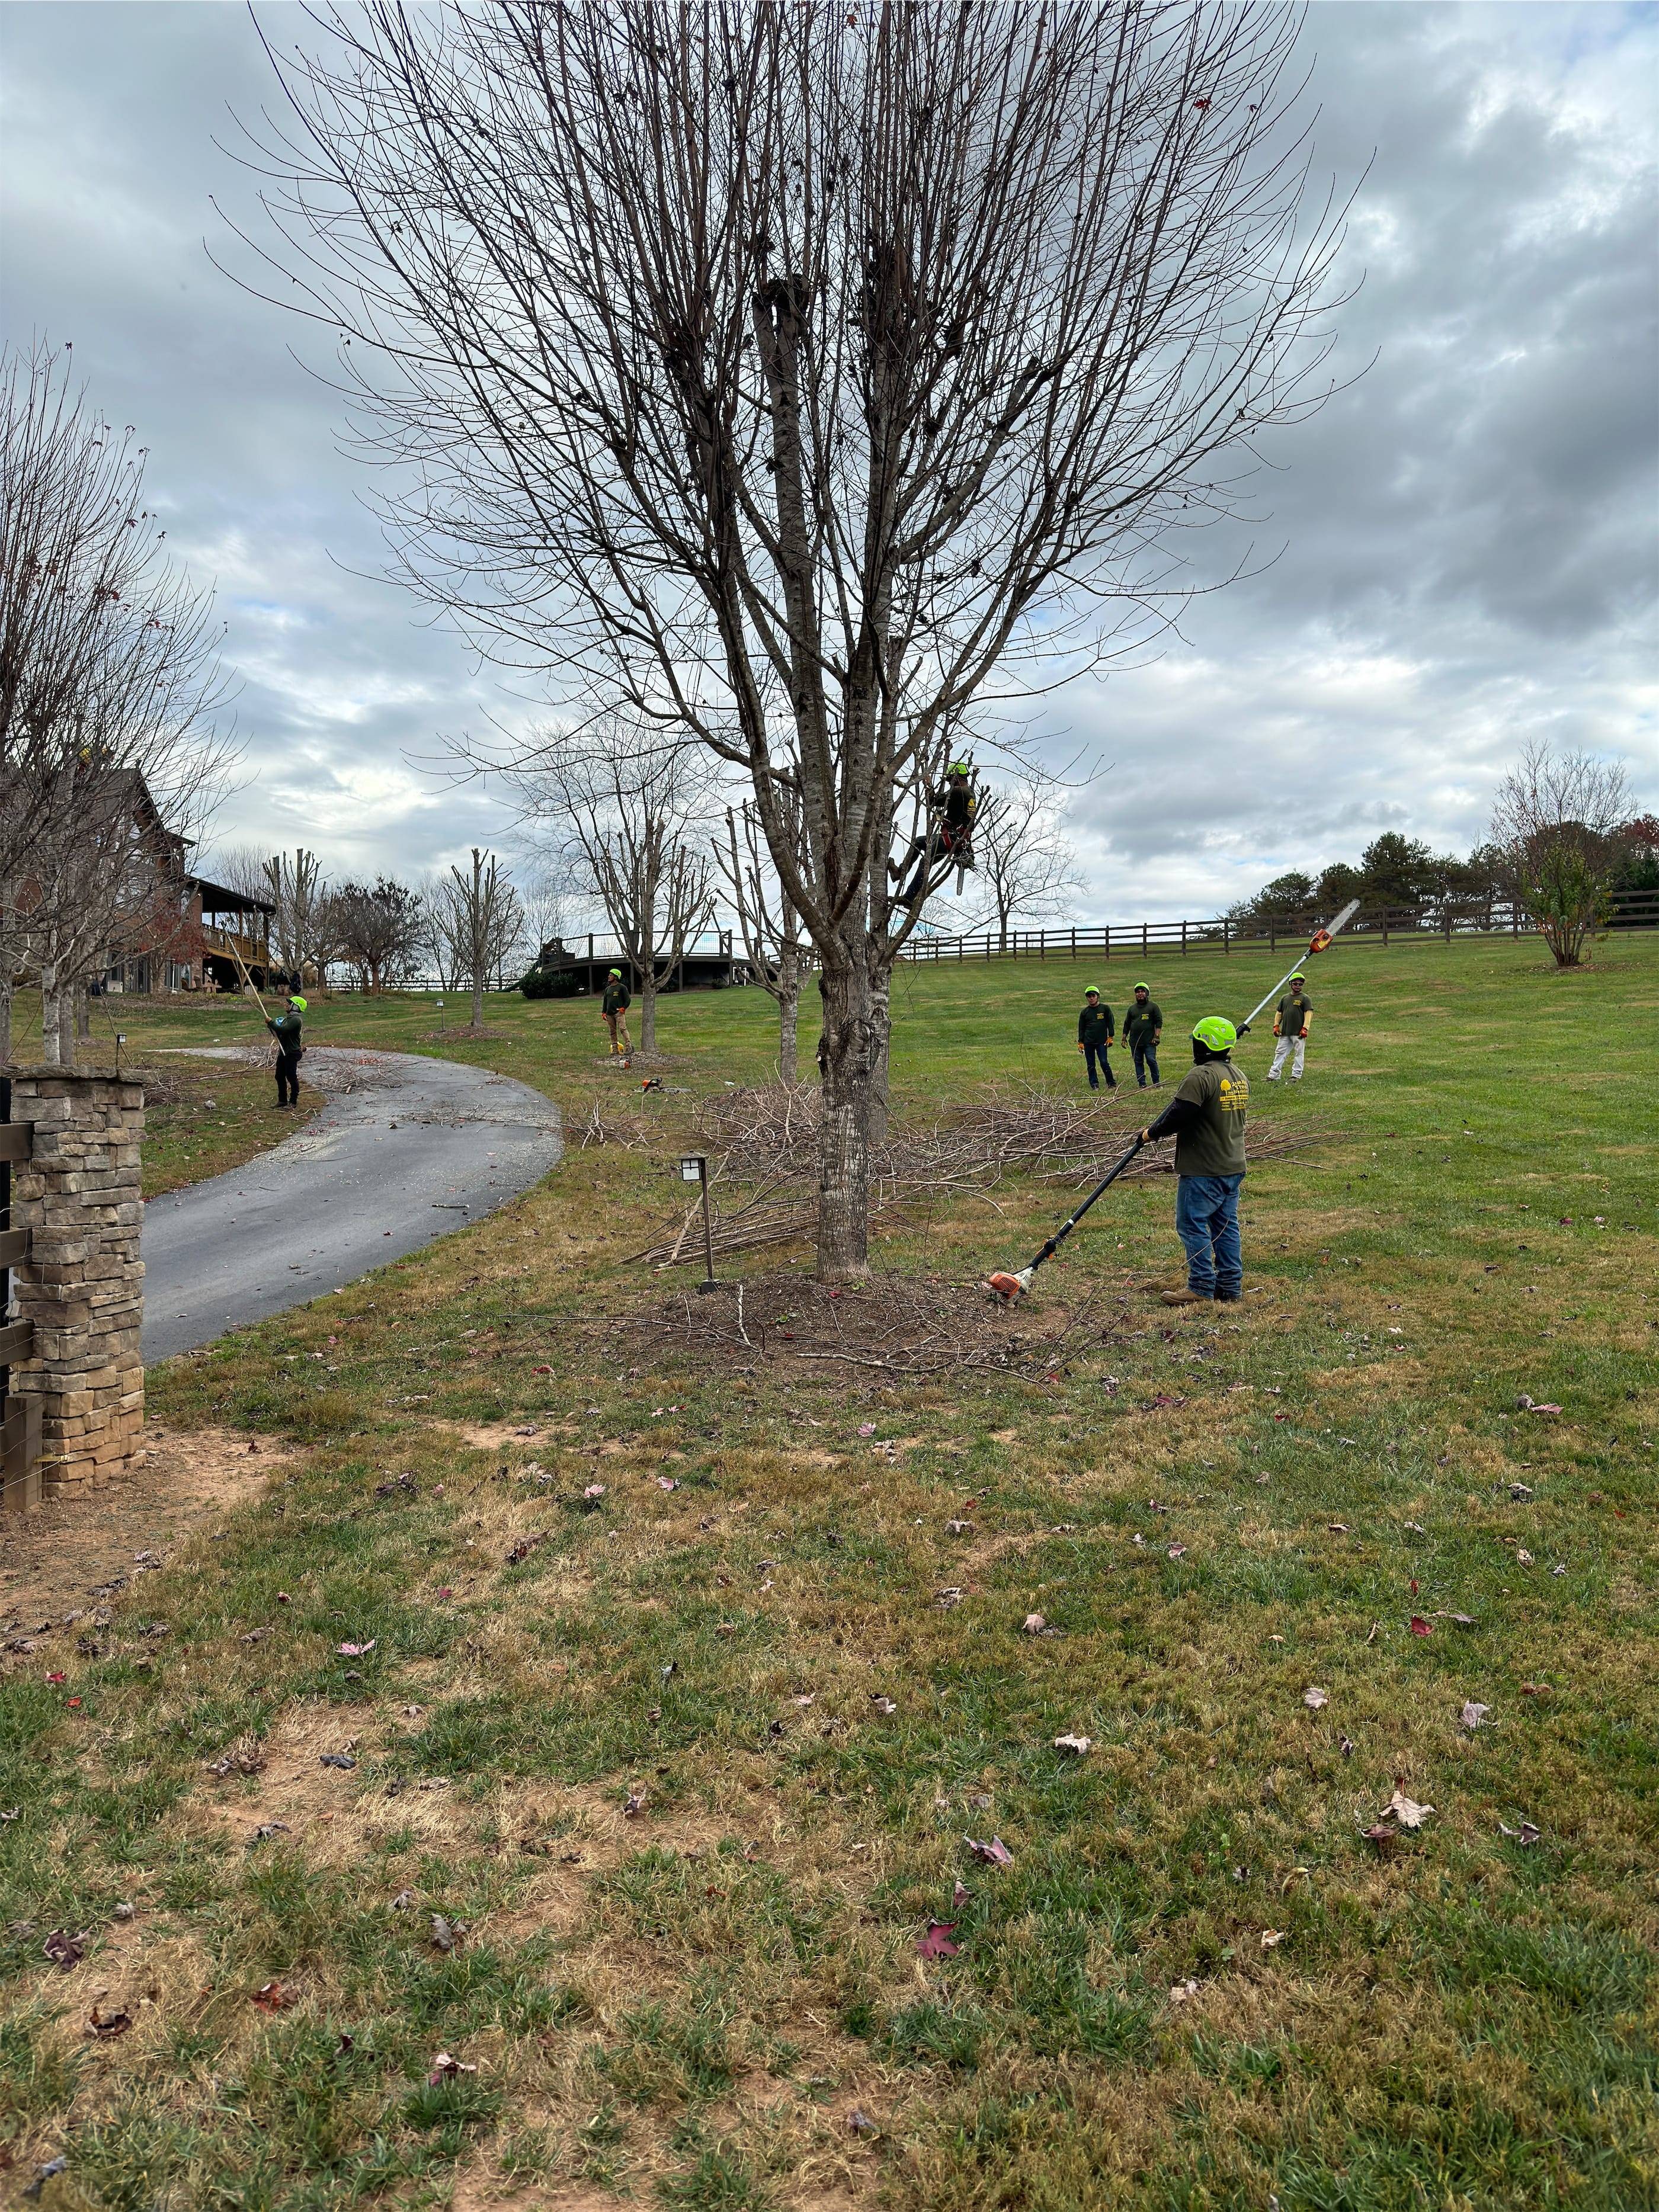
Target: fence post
(1107, 927)
(1184, 940)
(1272, 934)
(1226, 934)
(1385, 928)
(1075, 944)
(1143, 941)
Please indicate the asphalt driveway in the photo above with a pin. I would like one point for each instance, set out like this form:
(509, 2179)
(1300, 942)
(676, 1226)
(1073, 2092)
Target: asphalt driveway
(414, 1150)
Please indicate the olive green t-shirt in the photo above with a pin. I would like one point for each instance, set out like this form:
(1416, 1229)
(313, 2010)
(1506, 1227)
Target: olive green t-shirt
(1141, 1023)
(1216, 1145)
(1292, 1012)
(616, 999)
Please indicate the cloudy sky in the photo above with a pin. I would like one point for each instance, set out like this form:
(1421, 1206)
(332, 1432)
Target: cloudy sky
(1462, 547)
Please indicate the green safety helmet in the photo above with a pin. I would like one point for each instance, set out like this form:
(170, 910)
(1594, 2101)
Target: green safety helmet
(1143, 986)
(1298, 978)
(294, 1000)
(617, 972)
(958, 768)
(1217, 1032)
(1091, 991)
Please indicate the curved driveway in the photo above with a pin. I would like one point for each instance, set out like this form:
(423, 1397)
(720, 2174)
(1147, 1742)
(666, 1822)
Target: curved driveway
(415, 1149)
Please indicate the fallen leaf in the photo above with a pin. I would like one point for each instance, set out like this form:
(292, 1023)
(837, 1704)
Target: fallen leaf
(270, 1828)
(63, 1949)
(108, 2023)
(1271, 1937)
(1419, 1626)
(994, 1853)
(403, 1901)
(1382, 1836)
(1313, 1698)
(357, 1650)
(342, 1760)
(1522, 1558)
(444, 1932)
(958, 1527)
(1526, 1835)
(668, 1482)
(960, 1894)
(595, 1490)
(634, 1805)
(951, 1595)
(444, 2069)
(1344, 1745)
(1474, 1714)
(1076, 1745)
(883, 1704)
(1337, 1528)
(867, 1428)
(936, 1943)
(271, 1996)
(1177, 1551)
(1033, 1624)
(1183, 1992)
(1407, 1811)
(860, 2123)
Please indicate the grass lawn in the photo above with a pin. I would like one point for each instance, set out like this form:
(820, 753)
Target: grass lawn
(684, 1672)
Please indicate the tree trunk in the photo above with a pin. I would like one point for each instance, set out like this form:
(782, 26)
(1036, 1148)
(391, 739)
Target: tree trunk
(52, 1042)
(66, 1027)
(788, 1016)
(851, 1056)
(5, 1017)
(647, 1044)
(477, 1005)
(82, 1013)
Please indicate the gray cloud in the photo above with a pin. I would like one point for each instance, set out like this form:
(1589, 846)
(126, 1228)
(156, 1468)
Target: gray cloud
(1456, 556)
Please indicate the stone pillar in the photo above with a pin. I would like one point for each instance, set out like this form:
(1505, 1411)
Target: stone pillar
(79, 1197)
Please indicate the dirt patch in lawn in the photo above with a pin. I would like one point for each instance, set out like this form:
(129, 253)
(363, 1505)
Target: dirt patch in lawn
(94, 1543)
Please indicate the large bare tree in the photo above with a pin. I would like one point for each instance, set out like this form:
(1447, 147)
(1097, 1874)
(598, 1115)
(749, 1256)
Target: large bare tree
(476, 919)
(789, 372)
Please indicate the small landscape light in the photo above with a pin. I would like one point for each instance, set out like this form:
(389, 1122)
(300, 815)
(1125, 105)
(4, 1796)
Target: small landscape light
(693, 1167)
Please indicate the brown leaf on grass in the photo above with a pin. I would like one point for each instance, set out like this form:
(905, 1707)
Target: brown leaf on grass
(1419, 1627)
(1522, 1557)
(1033, 1624)
(1271, 1937)
(1077, 1746)
(520, 1551)
(1344, 1745)
(63, 1949)
(1474, 1714)
(357, 1650)
(1177, 1551)
(1526, 1835)
(267, 1829)
(271, 1996)
(960, 1895)
(342, 1760)
(1407, 1811)
(1183, 1992)
(994, 1853)
(237, 1762)
(952, 1595)
(1313, 1698)
(860, 2123)
(1533, 1406)
(404, 1900)
(108, 2023)
(958, 1527)
(633, 1805)
(883, 1704)
(1382, 1836)
(936, 1943)
(444, 2069)
(445, 1933)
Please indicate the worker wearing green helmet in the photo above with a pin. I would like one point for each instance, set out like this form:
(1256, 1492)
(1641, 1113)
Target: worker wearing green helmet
(614, 1008)
(949, 837)
(1206, 1119)
(288, 1030)
(1143, 1028)
(1095, 1033)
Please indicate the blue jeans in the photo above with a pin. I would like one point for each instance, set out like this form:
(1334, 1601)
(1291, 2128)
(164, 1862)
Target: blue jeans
(1207, 1222)
(1146, 1055)
(1095, 1054)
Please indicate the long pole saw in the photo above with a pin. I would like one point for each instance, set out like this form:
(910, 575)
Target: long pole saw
(236, 956)
(1008, 1287)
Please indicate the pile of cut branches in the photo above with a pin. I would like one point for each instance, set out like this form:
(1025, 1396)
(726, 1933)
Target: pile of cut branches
(763, 1146)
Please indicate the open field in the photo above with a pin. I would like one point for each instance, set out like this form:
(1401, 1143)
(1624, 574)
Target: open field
(691, 1649)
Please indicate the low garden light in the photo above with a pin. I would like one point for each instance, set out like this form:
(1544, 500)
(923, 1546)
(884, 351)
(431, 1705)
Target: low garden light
(694, 1168)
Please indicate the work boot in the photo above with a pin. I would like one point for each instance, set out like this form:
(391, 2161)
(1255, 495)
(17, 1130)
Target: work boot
(1185, 1297)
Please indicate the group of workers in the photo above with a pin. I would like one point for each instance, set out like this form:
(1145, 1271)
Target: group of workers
(1143, 1032)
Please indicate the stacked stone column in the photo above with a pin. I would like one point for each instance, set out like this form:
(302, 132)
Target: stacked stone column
(79, 1197)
